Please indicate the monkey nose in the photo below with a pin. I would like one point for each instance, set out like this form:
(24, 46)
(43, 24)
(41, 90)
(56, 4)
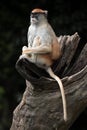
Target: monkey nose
(32, 16)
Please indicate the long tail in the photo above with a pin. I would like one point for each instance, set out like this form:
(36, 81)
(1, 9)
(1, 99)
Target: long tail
(49, 70)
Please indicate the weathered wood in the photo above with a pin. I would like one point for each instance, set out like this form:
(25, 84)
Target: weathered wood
(80, 62)
(41, 106)
(69, 47)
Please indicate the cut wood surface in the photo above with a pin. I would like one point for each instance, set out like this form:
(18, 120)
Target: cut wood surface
(41, 106)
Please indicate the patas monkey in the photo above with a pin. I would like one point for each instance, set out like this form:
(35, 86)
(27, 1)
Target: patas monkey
(43, 47)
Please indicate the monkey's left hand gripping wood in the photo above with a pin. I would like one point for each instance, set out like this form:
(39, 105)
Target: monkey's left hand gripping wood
(41, 105)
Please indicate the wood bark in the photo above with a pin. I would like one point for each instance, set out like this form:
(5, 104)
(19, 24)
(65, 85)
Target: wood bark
(41, 106)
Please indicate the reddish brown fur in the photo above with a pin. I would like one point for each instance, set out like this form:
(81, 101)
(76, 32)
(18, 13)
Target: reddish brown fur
(56, 52)
(37, 10)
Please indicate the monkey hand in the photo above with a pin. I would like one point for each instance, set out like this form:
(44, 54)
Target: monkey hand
(26, 50)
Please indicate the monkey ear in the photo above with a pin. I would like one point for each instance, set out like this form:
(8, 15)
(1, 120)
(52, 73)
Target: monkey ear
(46, 12)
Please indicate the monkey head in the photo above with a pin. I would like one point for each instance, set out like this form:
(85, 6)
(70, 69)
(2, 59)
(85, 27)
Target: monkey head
(38, 15)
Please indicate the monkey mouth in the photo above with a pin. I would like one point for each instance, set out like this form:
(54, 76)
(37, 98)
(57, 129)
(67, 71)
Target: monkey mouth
(33, 20)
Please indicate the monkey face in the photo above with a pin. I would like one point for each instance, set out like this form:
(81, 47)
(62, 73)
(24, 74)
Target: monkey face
(36, 17)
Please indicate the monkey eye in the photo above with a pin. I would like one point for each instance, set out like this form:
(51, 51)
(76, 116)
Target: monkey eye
(34, 14)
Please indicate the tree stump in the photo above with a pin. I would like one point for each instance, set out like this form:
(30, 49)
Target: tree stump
(41, 106)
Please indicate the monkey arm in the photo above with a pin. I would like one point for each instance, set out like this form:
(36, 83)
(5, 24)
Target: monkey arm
(38, 50)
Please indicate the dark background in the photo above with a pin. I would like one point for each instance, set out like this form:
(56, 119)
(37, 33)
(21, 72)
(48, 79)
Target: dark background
(65, 16)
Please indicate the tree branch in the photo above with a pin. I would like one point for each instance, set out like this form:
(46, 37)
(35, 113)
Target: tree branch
(41, 106)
